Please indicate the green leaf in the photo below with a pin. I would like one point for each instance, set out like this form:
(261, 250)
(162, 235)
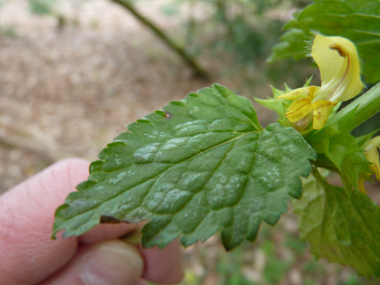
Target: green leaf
(294, 44)
(279, 106)
(199, 166)
(362, 141)
(342, 229)
(339, 151)
(357, 20)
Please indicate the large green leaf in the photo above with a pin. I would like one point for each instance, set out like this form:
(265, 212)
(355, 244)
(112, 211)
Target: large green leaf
(294, 44)
(357, 20)
(340, 228)
(201, 165)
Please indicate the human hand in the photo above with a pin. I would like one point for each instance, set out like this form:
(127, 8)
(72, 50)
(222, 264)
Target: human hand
(29, 256)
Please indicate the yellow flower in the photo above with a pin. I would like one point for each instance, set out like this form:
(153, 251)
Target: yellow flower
(338, 62)
(372, 156)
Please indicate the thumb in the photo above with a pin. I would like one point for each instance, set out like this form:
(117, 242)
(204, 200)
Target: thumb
(110, 262)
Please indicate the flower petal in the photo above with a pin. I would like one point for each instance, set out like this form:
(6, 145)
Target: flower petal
(338, 62)
(328, 60)
(321, 112)
(361, 185)
(300, 108)
(296, 93)
(372, 155)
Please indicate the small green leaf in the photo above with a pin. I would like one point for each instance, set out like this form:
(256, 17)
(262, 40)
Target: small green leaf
(200, 166)
(362, 141)
(279, 106)
(357, 20)
(342, 229)
(339, 151)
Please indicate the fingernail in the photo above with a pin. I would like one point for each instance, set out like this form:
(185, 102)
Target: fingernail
(112, 263)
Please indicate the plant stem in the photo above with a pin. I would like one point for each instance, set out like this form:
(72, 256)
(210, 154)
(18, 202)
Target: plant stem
(366, 106)
(198, 71)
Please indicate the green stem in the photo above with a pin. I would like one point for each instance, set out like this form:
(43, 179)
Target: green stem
(198, 71)
(366, 106)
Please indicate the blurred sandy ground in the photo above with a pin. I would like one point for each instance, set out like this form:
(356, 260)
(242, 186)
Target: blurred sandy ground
(69, 92)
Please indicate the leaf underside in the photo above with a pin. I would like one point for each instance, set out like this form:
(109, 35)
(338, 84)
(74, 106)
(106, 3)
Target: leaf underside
(340, 228)
(198, 166)
(357, 20)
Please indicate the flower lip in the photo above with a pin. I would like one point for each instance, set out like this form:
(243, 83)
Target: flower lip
(343, 54)
(339, 65)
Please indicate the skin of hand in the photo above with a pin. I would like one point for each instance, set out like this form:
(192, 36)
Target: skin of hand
(98, 257)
